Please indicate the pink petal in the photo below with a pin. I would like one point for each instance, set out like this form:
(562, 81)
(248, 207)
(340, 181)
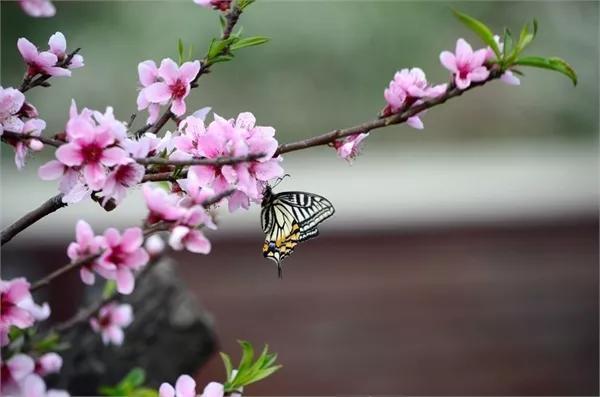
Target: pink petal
(125, 281)
(116, 335)
(509, 78)
(76, 62)
(94, 175)
(53, 169)
(176, 237)
(415, 122)
(136, 259)
(28, 51)
(463, 50)
(122, 315)
(178, 107)
(112, 237)
(18, 290)
(34, 386)
(189, 70)
(185, 386)
(70, 154)
(58, 44)
(169, 71)
(213, 389)
(202, 175)
(462, 83)
(158, 92)
(86, 276)
(479, 74)
(195, 241)
(20, 365)
(268, 170)
(113, 156)
(448, 60)
(58, 72)
(147, 72)
(166, 390)
(84, 232)
(478, 58)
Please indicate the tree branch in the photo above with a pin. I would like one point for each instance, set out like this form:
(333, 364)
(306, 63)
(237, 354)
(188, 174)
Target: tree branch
(7, 136)
(217, 161)
(53, 204)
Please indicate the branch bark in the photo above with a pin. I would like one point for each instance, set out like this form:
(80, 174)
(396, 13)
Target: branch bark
(51, 205)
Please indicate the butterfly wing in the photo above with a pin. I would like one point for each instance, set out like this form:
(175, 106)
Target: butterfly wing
(309, 210)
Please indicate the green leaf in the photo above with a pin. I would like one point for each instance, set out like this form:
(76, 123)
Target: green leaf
(265, 373)
(228, 367)
(551, 63)
(480, 29)
(109, 391)
(110, 287)
(133, 379)
(47, 344)
(180, 50)
(242, 4)
(144, 392)
(525, 38)
(247, 355)
(508, 43)
(249, 42)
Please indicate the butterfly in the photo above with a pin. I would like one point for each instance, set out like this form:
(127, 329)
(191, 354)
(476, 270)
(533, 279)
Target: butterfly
(289, 218)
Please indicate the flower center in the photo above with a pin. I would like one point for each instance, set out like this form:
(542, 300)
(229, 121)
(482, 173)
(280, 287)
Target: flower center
(5, 304)
(178, 89)
(117, 256)
(92, 153)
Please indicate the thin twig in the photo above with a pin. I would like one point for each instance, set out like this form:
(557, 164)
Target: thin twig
(29, 82)
(51, 205)
(217, 161)
(62, 270)
(10, 135)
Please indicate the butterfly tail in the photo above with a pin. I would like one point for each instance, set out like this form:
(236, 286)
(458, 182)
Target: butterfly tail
(279, 271)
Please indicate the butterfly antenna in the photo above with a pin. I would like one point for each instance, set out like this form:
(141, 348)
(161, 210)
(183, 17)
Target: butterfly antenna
(278, 181)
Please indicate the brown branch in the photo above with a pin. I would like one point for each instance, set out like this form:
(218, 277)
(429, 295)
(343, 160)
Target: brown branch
(51, 205)
(217, 161)
(7, 136)
(29, 82)
(399, 118)
(62, 270)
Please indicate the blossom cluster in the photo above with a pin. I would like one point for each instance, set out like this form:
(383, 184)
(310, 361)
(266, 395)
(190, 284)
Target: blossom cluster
(222, 5)
(17, 307)
(22, 375)
(111, 320)
(115, 256)
(52, 62)
(20, 117)
(185, 386)
(96, 157)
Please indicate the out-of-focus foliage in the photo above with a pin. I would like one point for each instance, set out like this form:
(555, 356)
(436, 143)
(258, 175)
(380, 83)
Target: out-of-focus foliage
(325, 66)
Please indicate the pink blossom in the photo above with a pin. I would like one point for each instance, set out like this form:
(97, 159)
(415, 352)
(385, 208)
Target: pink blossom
(121, 178)
(146, 146)
(11, 102)
(85, 245)
(162, 205)
(350, 147)
(184, 387)
(38, 8)
(189, 238)
(214, 389)
(32, 127)
(71, 182)
(154, 245)
(126, 254)
(175, 85)
(13, 371)
(507, 77)
(222, 5)
(92, 149)
(40, 62)
(408, 88)
(58, 46)
(111, 320)
(148, 75)
(16, 304)
(34, 386)
(466, 65)
(49, 363)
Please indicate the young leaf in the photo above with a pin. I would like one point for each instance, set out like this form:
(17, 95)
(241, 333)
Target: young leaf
(525, 38)
(47, 344)
(249, 42)
(133, 379)
(247, 355)
(110, 287)
(180, 51)
(507, 44)
(228, 367)
(480, 29)
(551, 63)
(144, 392)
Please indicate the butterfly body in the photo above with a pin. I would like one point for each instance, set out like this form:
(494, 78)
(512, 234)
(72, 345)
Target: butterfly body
(289, 218)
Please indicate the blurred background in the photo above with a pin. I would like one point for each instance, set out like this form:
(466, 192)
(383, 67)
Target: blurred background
(462, 259)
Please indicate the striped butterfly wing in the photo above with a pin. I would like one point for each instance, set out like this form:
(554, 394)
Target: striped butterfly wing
(309, 210)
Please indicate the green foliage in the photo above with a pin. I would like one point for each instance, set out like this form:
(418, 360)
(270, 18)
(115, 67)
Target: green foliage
(480, 29)
(249, 371)
(552, 63)
(511, 53)
(248, 42)
(110, 287)
(130, 385)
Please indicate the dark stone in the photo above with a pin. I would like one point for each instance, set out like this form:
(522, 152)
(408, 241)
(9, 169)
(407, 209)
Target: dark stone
(170, 335)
